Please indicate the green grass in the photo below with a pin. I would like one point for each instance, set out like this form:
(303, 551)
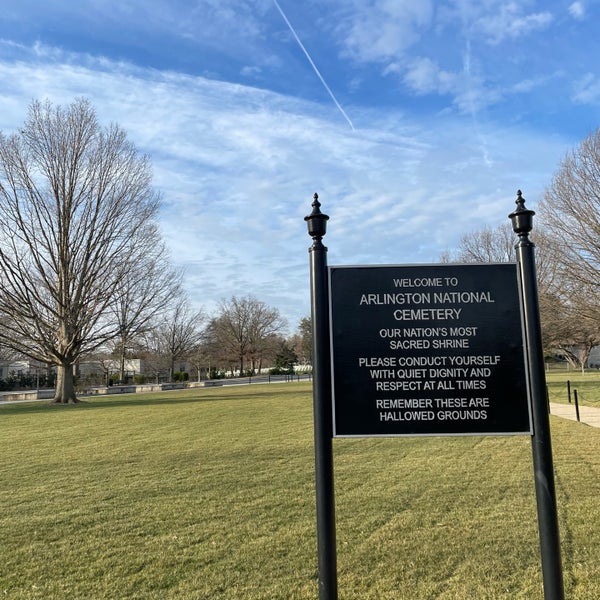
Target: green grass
(210, 494)
(587, 385)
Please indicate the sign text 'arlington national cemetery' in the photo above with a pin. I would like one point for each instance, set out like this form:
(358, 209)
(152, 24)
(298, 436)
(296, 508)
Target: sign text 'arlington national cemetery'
(427, 350)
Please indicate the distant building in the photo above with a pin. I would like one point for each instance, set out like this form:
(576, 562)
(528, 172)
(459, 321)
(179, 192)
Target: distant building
(16, 368)
(593, 361)
(133, 366)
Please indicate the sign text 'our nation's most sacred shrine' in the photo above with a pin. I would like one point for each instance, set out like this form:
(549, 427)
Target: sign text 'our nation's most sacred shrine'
(427, 350)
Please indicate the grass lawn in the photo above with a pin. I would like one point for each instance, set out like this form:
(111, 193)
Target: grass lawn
(209, 494)
(587, 385)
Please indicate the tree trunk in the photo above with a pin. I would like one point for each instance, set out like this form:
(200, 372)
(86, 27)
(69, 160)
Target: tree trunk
(122, 363)
(65, 386)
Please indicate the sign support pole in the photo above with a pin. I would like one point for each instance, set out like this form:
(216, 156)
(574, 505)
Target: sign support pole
(322, 403)
(522, 222)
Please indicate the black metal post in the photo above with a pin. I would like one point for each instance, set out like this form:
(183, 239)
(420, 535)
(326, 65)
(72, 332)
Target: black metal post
(576, 406)
(569, 390)
(322, 404)
(522, 222)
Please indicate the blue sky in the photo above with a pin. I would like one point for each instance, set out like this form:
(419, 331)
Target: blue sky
(415, 121)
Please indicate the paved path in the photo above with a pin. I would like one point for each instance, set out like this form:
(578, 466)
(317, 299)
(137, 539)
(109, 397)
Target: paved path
(587, 414)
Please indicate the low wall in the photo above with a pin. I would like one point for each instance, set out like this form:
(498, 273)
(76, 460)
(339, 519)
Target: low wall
(28, 395)
(136, 389)
(113, 389)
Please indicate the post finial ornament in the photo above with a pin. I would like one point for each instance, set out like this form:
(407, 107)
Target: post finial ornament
(520, 201)
(316, 204)
(521, 217)
(316, 221)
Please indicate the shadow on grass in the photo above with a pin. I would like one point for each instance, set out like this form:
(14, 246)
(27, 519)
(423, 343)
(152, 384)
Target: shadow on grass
(155, 399)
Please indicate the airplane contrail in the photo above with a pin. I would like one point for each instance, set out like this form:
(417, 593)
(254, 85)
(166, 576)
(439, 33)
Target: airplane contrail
(310, 60)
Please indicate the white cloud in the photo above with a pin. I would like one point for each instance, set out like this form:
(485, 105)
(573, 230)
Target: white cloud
(430, 50)
(587, 90)
(509, 22)
(423, 76)
(467, 90)
(251, 71)
(237, 167)
(577, 10)
(384, 29)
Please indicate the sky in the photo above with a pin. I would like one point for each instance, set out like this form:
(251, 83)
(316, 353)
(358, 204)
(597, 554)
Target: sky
(415, 121)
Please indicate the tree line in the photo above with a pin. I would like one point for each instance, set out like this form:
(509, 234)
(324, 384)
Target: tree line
(244, 337)
(84, 272)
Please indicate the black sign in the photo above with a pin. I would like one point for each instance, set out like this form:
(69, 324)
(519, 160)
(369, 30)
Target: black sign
(427, 350)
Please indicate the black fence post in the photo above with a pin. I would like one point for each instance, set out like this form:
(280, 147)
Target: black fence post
(522, 222)
(569, 390)
(322, 405)
(576, 405)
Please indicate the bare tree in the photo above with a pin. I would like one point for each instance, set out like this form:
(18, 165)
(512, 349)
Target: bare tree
(143, 296)
(561, 329)
(179, 334)
(244, 329)
(74, 201)
(497, 245)
(265, 325)
(570, 319)
(570, 211)
(228, 335)
(485, 245)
